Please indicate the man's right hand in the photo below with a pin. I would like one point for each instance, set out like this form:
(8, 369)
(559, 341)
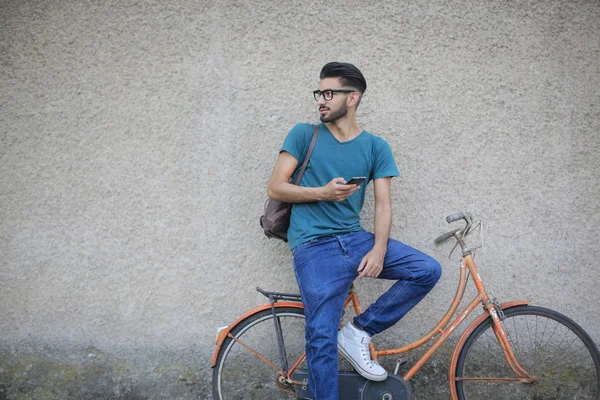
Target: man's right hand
(337, 190)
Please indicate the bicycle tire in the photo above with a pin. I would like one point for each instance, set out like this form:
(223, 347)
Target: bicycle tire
(550, 346)
(238, 374)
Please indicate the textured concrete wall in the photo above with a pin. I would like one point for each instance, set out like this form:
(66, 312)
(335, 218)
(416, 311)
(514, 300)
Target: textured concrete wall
(136, 140)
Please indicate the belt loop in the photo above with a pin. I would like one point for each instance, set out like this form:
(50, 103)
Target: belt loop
(341, 244)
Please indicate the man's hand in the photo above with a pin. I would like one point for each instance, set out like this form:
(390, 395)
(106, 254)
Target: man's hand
(337, 190)
(372, 264)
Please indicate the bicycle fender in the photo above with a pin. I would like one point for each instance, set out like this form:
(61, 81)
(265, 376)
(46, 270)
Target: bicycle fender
(223, 334)
(463, 339)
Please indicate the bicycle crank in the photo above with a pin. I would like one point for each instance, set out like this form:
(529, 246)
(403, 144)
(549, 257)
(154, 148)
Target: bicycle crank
(354, 387)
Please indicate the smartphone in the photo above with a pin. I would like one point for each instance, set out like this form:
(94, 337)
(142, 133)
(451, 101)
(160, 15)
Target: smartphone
(356, 180)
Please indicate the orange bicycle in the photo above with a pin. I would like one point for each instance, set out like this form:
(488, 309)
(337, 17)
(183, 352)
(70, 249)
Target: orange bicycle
(511, 351)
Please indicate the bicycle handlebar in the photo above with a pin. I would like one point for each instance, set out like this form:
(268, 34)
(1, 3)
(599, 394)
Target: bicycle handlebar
(458, 216)
(447, 235)
(453, 218)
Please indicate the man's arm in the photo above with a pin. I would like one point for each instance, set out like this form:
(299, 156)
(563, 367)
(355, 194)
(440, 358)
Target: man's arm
(372, 263)
(280, 189)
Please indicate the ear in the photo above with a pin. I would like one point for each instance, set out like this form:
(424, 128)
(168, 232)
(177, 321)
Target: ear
(353, 99)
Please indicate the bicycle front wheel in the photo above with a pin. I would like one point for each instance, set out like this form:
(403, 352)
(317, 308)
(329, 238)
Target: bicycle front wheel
(239, 374)
(551, 347)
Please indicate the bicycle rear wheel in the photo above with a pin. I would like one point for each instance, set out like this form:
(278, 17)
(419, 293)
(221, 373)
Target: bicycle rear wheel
(240, 375)
(551, 347)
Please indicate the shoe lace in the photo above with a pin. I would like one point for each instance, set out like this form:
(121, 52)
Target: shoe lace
(366, 354)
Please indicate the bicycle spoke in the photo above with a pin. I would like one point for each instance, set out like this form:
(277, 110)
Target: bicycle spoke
(255, 353)
(515, 333)
(562, 358)
(249, 365)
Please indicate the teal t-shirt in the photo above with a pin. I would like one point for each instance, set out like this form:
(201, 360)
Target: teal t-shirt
(365, 155)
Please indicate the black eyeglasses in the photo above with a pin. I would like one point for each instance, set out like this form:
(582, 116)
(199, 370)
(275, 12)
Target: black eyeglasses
(328, 93)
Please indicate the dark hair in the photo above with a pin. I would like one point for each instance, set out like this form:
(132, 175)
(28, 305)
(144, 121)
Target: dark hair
(349, 75)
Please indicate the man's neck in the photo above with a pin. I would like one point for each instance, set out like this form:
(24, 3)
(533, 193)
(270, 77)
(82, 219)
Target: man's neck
(344, 129)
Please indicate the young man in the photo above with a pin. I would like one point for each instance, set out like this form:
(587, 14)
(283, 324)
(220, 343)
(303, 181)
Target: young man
(330, 249)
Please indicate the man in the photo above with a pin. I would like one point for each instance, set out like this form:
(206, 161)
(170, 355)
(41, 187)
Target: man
(330, 249)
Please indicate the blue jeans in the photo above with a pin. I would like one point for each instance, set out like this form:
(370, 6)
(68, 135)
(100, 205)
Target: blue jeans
(325, 269)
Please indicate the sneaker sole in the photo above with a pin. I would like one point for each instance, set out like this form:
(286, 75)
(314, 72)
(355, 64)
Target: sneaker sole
(361, 371)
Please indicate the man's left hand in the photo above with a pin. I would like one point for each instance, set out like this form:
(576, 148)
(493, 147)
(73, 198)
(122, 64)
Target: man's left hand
(371, 264)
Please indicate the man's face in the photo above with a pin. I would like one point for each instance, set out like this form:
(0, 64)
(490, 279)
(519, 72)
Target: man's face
(335, 108)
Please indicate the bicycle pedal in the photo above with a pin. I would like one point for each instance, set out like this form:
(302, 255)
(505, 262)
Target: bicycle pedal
(401, 361)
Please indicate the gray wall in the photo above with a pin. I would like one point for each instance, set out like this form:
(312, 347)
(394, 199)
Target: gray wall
(137, 138)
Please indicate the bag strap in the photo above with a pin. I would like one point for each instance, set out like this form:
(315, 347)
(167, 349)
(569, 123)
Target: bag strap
(313, 142)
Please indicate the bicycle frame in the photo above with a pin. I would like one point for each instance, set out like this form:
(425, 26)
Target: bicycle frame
(442, 329)
(445, 332)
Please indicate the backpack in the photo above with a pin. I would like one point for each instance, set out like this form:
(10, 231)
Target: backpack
(276, 218)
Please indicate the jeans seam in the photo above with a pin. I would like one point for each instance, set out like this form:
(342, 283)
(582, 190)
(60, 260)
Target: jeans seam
(307, 334)
(396, 294)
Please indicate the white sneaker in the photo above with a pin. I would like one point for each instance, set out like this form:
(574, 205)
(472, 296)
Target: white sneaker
(354, 345)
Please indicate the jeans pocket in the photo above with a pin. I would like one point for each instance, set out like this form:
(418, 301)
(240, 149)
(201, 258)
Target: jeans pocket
(296, 250)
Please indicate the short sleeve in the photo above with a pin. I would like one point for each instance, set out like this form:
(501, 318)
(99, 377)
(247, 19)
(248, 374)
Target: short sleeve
(296, 141)
(385, 165)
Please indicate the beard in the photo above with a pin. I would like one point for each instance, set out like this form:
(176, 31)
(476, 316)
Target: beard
(335, 115)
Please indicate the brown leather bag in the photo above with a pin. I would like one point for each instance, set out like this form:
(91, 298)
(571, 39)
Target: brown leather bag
(276, 220)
